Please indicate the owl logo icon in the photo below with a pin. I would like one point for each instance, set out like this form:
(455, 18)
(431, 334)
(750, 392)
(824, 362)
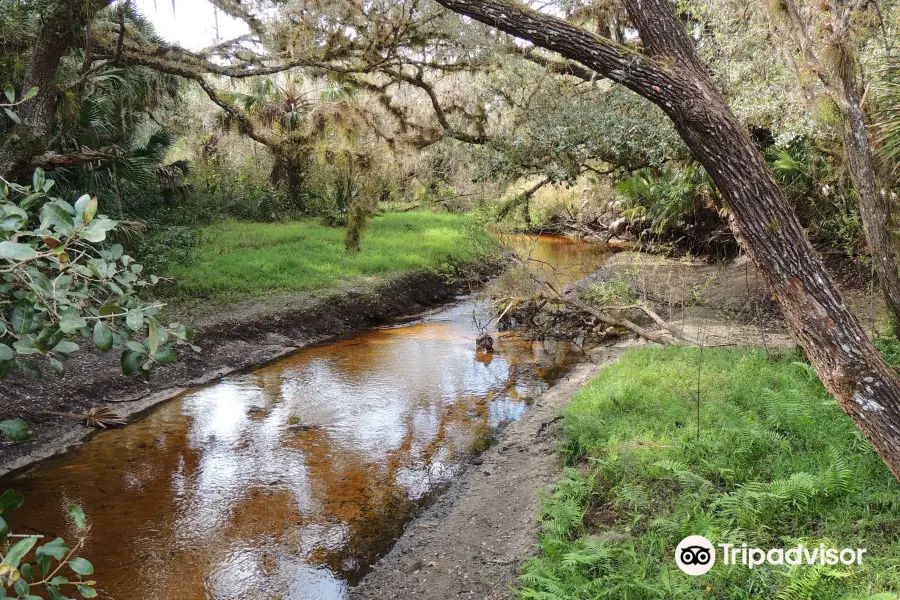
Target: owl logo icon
(695, 555)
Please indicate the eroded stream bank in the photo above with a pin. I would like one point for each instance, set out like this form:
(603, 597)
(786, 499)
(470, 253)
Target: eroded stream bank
(290, 481)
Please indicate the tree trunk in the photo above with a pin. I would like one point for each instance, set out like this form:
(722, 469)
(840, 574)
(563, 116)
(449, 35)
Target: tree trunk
(841, 80)
(55, 38)
(874, 208)
(673, 78)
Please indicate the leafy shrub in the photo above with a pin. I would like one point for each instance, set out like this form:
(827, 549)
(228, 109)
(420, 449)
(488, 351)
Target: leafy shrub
(607, 293)
(823, 199)
(666, 196)
(59, 285)
(28, 568)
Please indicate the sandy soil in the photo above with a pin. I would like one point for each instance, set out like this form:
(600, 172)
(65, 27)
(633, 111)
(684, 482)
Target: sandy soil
(697, 295)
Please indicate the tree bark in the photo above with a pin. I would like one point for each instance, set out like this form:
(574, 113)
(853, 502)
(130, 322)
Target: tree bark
(55, 38)
(672, 77)
(841, 80)
(874, 208)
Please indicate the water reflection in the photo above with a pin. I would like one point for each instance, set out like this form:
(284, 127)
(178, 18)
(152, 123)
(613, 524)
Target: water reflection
(288, 482)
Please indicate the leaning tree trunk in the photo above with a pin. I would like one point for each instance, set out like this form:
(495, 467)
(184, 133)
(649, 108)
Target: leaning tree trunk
(673, 78)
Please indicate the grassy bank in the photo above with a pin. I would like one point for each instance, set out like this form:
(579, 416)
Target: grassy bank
(240, 259)
(777, 463)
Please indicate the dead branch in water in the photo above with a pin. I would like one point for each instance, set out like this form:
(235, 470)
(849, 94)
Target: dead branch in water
(664, 337)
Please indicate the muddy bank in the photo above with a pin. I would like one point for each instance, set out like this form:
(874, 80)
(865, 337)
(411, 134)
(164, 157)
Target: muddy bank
(235, 339)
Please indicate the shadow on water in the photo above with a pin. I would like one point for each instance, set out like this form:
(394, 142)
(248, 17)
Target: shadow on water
(290, 481)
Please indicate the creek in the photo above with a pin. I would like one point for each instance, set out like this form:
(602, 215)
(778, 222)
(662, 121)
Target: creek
(290, 481)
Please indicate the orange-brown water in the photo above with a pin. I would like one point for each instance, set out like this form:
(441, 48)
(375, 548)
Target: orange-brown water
(290, 481)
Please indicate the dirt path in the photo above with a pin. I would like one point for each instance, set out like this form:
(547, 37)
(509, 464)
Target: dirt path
(471, 542)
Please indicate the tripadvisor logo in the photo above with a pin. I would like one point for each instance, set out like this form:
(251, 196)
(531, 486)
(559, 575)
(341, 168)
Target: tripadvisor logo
(696, 555)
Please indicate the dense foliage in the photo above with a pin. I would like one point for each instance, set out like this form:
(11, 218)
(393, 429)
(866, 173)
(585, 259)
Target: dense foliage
(59, 286)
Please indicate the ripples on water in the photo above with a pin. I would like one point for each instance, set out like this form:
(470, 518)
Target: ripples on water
(290, 481)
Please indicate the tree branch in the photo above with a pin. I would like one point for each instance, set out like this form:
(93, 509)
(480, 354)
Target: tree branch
(640, 73)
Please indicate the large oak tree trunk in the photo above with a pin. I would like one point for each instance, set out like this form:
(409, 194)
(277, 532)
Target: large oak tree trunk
(672, 77)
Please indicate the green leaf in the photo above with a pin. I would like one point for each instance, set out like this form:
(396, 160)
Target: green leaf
(166, 355)
(134, 319)
(57, 366)
(81, 566)
(31, 93)
(24, 348)
(30, 369)
(59, 580)
(18, 551)
(13, 116)
(131, 362)
(48, 338)
(110, 309)
(4, 528)
(86, 208)
(10, 94)
(21, 587)
(6, 352)
(16, 430)
(66, 347)
(56, 549)
(87, 592)
(16, 251)
(23, 318)
(57, 214)
(6, 367)
(72, 323)
(10, 500)
(37, 179)
(103, 337)
(27, 572)
(136, 347)
(153, 338)
(81, 204)
(77, 517)
(96, 230)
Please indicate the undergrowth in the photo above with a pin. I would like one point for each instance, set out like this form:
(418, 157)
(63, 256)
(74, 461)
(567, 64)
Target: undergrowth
(777, 463)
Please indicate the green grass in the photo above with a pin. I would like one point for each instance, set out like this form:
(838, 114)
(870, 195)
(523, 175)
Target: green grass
(236, 259)
(777, 463)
